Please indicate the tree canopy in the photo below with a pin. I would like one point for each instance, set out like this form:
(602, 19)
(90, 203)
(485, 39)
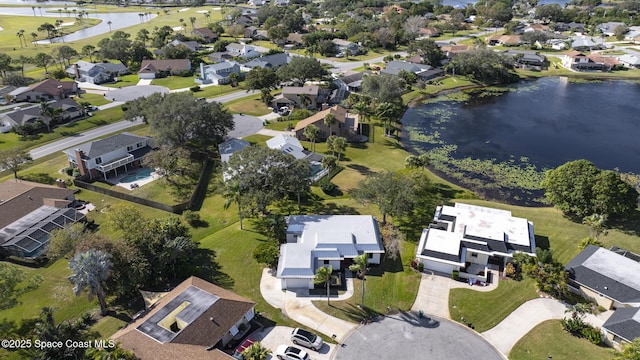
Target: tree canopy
(383, 88)
(181, 121)
(301, 69)
(484, 65)
(393, 193)
(579, 188)
(261, 78)
(14, 159)
(267, 175)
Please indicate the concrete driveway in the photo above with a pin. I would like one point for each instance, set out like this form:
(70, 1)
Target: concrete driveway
(271, 337)
(133, 92)
(405, 336)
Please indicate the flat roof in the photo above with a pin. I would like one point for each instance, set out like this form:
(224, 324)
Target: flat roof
(615, 267)
(443, 242)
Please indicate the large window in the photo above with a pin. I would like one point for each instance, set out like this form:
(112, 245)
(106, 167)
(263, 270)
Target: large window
(98, 160)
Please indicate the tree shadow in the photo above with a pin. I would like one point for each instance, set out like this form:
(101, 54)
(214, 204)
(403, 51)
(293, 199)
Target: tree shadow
(363, 170)
(330, 208)
(204, 265)
(356, 313)
(359, 145)
(629, 225)
(542, 242)
(393, 144)
(201, 189)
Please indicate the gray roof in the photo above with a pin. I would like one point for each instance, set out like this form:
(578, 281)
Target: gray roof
(221, 65)
(270, 61)
(608, 273)
(394, 67)
(32, 113)
(229, 147)
(625, 322)
(526, 55)
(100, 147)
(105, 66)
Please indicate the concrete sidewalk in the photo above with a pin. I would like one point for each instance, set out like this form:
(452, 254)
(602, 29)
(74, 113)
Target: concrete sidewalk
(299, 307)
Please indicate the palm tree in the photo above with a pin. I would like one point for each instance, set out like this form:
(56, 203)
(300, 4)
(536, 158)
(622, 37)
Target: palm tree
(329, 120)
(387, 113)
(337, 144)
(312, 133)
(47, 111)
(304, 100)
(596, 225)
(359, 266)
(207, 17)
(233, 194)
(90, 269)
(34, 36)
(363, 111)
(324, 275)
(174, 249)
(192, 20)
(255, 351)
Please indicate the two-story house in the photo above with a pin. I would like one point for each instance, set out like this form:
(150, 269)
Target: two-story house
(217, 74)
(113, 155)
(50, 89)
(272, 61)
(424, 72)
(577, 61)
(242, 50)
(300, 96)
(96, 73)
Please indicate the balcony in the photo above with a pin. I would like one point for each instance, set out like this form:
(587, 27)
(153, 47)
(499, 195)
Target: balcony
(116, 163)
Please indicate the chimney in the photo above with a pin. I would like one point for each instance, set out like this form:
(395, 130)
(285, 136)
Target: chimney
(61, 184)
(81, 166)
(324, 106)
(203, 76)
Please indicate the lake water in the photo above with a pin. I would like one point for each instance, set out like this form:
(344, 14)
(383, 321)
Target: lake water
(536, 125)
(118, 20)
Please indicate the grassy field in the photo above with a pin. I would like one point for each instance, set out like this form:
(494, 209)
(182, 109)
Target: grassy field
(175, 82)
(549, 340)
(250, 106)
(124, 80)
(93, 99)
(479, 308)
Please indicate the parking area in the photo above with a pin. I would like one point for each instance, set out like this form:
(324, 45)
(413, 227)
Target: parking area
(273, 336)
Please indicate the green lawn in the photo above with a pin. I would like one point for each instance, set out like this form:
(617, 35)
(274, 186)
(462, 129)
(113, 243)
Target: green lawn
(216, 90)
(393, 283)
(486, 309)
(549, 340)
(93, 99)
(106, 327)
(124, 80)
(249, 105)
(281, 125)
(175, 82)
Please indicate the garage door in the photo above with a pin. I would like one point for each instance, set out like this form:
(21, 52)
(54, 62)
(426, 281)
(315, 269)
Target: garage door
(438, 266)
(295, 283)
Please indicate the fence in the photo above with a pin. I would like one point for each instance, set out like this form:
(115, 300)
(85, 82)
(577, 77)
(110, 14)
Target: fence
(177, 209)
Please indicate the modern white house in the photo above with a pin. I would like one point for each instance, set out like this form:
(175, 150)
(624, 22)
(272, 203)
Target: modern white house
(314, 241)
(471, 239)
(109, 156)
(217, 74)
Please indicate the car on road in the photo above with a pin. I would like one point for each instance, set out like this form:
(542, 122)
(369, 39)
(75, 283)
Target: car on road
(286, 352)
(307, 339)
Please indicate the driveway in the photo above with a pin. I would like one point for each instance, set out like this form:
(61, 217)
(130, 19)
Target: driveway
(133, 92)
(271, 337)
(405, 336)
(245, 125)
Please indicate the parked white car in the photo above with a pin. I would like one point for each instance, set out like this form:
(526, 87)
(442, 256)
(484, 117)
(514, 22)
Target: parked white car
(286, 352)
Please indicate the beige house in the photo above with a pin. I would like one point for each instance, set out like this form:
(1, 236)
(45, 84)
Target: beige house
(346, 123)
(50, 89)
(298, 96)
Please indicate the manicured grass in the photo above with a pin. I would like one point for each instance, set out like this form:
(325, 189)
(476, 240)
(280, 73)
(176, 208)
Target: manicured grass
(106, 327)
(257, 138)
(175, 82)
(124, 80)
(392, 283)
(216, 90)
(556, 69)
(281, 125)
(486, 309)
(250, 106)
(549, 340)
(93, 99)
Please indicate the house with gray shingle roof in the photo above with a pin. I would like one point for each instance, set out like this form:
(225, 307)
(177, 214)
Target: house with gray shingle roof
(96, 73)
(622, 326)
(217, 74)
(630, 60)
(609, 28)
(272, 61)
(606, 277)
(110, 156)
(31, 114)
(150, 69)
(424, 72)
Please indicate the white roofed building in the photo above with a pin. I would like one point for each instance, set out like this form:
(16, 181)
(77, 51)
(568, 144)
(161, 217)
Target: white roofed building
(469, 238)
(314, 241)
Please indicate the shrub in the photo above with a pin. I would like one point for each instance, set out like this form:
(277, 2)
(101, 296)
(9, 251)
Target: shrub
(592, 334)
(192, 217)
(299, 114)
(420, 267)
(58, 74)
(573, 325)
(327, 186)
(455, 274)
(510, 270)
(195, 88)
(68, 171)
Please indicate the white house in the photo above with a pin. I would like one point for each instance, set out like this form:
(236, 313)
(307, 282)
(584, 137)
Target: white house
(288, 145)
(630, 60)
(255, 2)
(96, 73)
(241, 50)
(112, 155)
(343, 46)
(314, 241)
(217, 74)
(467, 238)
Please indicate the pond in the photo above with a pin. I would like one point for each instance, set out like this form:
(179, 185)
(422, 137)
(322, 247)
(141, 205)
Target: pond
(499, 141)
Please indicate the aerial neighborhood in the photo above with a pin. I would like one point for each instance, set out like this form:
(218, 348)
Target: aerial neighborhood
(295, 180)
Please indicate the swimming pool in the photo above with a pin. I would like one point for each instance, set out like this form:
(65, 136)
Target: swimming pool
(140, 175)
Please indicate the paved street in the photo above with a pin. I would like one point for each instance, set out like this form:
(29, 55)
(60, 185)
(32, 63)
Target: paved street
(405, 336)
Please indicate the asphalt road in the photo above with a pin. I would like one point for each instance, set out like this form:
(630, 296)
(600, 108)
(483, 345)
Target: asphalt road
(89, 135)
(404, 336)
